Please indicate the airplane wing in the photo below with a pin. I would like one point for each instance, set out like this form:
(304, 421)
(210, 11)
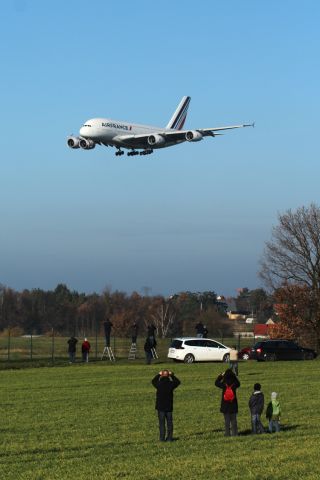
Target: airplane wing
(205, 132)
(141, 141)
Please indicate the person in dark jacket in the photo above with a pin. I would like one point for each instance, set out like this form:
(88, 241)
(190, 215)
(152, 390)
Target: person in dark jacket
(165, 382)
(134, 332)
(107, 331)
(256, 404)
(199, 329)
(150, 343)
(72, 348)
(229, 383)
(151, 331)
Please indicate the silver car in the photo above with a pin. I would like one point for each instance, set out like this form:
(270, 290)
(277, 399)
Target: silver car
(194, 349)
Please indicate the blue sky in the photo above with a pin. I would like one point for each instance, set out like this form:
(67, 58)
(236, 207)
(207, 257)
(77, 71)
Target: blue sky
(192, 217)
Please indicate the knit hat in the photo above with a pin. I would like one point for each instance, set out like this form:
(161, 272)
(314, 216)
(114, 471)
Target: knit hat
(257, 387)
(274, 395)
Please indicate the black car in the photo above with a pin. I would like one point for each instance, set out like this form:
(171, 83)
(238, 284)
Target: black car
(271, 350)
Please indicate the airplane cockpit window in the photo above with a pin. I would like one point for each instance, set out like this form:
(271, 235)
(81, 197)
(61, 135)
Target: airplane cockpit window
(86, 125)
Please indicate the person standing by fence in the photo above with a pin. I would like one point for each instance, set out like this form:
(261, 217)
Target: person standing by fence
(107, 331)
(234, 356)
(72, 348)
(134, 332)
(85, 347)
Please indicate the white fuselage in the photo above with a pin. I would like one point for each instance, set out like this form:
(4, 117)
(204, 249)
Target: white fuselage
(113, 132)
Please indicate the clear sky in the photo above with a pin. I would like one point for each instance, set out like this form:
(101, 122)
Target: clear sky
(191, 217)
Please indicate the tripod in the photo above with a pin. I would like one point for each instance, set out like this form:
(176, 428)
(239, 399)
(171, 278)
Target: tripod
(132, 352)
(154, 353)
(107, 351)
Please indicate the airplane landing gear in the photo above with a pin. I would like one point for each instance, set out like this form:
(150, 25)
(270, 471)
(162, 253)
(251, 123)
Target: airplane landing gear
(148, 151)
(132, 153)
(119, 152)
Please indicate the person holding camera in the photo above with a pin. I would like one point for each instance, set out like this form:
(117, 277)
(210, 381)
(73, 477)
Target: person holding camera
(229, 383)
(165, 382)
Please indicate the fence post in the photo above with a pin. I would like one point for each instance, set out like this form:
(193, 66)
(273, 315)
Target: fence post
(31, 346)
(9, 334)
(96, 339)
(52, 347)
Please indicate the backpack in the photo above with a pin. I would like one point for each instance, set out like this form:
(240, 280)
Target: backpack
(228, 395)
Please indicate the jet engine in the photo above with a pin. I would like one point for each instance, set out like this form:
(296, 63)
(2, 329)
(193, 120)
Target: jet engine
(156, 140)
(73, 142)
(193, 136)
(87, 144)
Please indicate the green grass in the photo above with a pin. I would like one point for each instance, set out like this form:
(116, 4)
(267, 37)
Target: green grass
(97, 421)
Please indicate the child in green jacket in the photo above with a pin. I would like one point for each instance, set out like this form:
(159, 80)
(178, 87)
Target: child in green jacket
(273, 413)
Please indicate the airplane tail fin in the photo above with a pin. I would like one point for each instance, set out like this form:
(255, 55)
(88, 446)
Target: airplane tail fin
(179, 117)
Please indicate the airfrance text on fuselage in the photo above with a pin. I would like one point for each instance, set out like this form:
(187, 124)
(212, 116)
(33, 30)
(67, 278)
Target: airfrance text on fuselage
(116, 125)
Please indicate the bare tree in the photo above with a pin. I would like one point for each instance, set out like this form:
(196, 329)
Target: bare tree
(292, 256)
(292, 259)
(164, 317)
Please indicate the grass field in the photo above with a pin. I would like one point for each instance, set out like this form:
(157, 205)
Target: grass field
(97, 421)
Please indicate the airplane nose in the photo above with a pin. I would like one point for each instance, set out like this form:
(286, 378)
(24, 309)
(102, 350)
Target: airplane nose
(82, 131)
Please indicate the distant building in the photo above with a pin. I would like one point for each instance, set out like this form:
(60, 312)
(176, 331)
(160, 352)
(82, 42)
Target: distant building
(237, 315)
(261, 330)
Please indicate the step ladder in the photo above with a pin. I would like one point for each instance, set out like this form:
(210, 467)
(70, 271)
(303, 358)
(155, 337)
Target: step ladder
(132, 352)
(107, 352)
(154, 353)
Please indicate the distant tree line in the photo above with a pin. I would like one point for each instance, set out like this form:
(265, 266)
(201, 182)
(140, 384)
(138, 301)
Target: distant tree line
(69, 312)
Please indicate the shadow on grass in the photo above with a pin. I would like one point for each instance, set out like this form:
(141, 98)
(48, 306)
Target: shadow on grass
(284, 428)
(288, 428)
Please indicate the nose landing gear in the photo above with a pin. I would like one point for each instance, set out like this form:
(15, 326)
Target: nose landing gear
(119, 152)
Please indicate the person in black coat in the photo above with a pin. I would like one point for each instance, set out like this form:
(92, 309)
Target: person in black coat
(152, 331)
(72, 348)
(149, 345)
(165, 382)
(107, 331)
(229, 383)
(134, 332)
(199, 329)
(256, 404)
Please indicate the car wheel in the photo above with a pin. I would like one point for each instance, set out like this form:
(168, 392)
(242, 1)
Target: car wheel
(189, 358)
(271, 357)
(308, 356)
(226, 358)
(245, 356)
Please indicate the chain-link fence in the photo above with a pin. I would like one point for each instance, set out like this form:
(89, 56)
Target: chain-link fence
(53, 349)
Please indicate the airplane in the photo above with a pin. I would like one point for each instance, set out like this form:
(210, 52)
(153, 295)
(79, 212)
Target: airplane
(142, 139)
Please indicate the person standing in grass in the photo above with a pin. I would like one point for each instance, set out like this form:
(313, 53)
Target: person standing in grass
(85, 348)
(165, 382)
(273, 413)
(229, 383)
(234, 360)
(149, 345)
(256, 404)
(72, 348)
